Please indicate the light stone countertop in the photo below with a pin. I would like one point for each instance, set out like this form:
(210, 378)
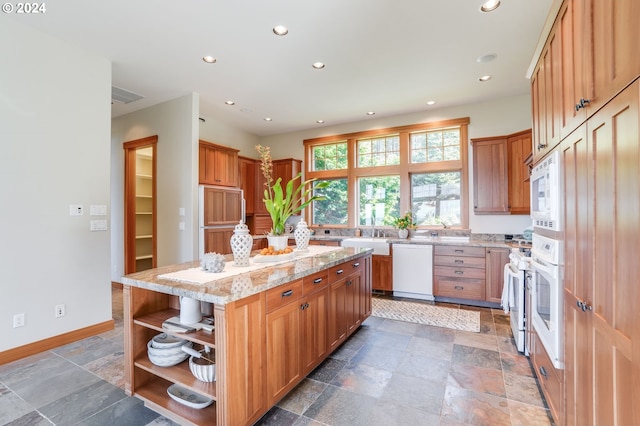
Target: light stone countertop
(231, 288)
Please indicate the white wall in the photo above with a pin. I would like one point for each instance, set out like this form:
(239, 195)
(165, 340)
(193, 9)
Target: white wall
(54, 128)
(496, 118)
(215, 131)
(176, 124)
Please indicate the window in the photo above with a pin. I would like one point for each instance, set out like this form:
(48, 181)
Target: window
(438, 145)
(379, 200)
(435, 199)
(379, 151)
(332, 210)
(377, 175)
(330, 157)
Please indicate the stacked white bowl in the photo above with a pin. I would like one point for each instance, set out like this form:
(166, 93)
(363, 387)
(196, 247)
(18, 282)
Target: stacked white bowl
(165, 350)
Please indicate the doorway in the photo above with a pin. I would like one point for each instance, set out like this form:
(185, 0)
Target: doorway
(140, 241)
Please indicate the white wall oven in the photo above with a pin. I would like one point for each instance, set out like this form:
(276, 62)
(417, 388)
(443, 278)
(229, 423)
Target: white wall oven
(545, 193)
(547, 310)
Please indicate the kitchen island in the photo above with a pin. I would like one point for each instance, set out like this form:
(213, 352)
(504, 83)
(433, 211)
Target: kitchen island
(273, 325)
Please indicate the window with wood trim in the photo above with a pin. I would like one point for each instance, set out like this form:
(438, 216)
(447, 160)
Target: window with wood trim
(378, 175)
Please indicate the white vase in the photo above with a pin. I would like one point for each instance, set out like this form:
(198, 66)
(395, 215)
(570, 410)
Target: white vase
(278, 242)
(302, 235)
(403, 233)
(241, 245)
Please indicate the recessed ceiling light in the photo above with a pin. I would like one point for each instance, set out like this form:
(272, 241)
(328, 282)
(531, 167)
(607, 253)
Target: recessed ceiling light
(209, 59)
(486, 58)
(431, 102)
(280, 30)
(489, 5)
(371, 113)
(320, 121)
(485, 78)
(229, 102)
(268, 119)
(318, 65)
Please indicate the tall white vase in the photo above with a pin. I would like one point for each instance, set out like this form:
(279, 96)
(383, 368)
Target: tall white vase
(302, 235)
(241, 245)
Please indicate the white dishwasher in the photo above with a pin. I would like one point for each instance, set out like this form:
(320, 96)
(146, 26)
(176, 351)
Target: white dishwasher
(413, 271)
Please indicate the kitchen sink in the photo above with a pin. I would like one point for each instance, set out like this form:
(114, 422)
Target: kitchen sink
(379, 245)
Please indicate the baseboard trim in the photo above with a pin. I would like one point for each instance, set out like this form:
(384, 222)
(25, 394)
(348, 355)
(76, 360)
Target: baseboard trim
(53, 342)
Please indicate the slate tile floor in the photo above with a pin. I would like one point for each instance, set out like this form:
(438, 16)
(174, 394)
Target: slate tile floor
(388, 373)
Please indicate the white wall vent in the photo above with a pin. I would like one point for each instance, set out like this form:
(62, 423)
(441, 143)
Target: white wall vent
(123, 96)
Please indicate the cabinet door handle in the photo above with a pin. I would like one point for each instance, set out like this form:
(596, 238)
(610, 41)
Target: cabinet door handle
(304, 306)
(543, 372)
(458, 261)
(287, 293)
(458, 251)
(339, 271)
(582, 104)
(459, 272)
(458, 287)
(317, 280)
(355, 265)
(349, 282)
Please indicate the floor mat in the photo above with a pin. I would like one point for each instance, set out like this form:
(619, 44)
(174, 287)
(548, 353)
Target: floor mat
(421, 313)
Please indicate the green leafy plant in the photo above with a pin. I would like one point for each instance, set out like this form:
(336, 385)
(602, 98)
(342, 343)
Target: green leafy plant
(281, 204)
(404, 222)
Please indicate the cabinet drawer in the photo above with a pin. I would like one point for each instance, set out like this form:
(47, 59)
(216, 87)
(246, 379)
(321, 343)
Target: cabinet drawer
(460, 261)
(549, 378)
(459, 288)
(459, 251)
(459, 272)
(283, 295)
(345, 269)
(315, 282)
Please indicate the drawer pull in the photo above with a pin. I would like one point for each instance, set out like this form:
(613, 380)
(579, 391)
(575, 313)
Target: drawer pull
(339, 271)
(287, 293)
(459, 272)
(317, 280)
(458, 261)
(543, 372)
(355, 265)
(458, 251)
(459, 287)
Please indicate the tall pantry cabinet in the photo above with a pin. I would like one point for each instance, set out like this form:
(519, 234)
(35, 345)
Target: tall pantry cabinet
(585, 101)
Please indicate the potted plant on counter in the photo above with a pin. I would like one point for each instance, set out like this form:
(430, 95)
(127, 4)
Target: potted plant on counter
(281, 202)
(403, 224)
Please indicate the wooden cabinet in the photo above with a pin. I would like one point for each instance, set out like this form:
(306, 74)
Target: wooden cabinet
(382, 272)
(218, 165)
(218, 240)
(236, 361)
(248, 167)
(490, 176)
(601, 163)
(495, 260)
(459, 272)
(286, 169)
(314, 313)
(590, 55)
(222, 206)
(348, 286)
(551, 380)
(500, 174)
(518, 162)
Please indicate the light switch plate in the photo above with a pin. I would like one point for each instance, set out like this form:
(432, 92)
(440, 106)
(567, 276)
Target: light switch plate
(98, 210)
(98, 225)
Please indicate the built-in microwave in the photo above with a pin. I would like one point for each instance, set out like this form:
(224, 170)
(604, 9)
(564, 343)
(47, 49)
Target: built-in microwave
(545, 193)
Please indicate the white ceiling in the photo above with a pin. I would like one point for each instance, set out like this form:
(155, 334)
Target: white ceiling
(387, 56)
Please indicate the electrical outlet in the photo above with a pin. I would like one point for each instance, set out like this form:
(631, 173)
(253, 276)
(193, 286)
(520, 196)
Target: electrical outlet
(60, 310)
(18, 320)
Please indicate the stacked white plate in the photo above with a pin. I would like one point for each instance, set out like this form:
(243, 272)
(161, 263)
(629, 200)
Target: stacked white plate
(165, 350)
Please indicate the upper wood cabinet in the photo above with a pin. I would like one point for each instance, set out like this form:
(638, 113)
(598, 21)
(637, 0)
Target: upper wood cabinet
(500, 174)
(590, 55)
(519, 152)
(218, 165)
